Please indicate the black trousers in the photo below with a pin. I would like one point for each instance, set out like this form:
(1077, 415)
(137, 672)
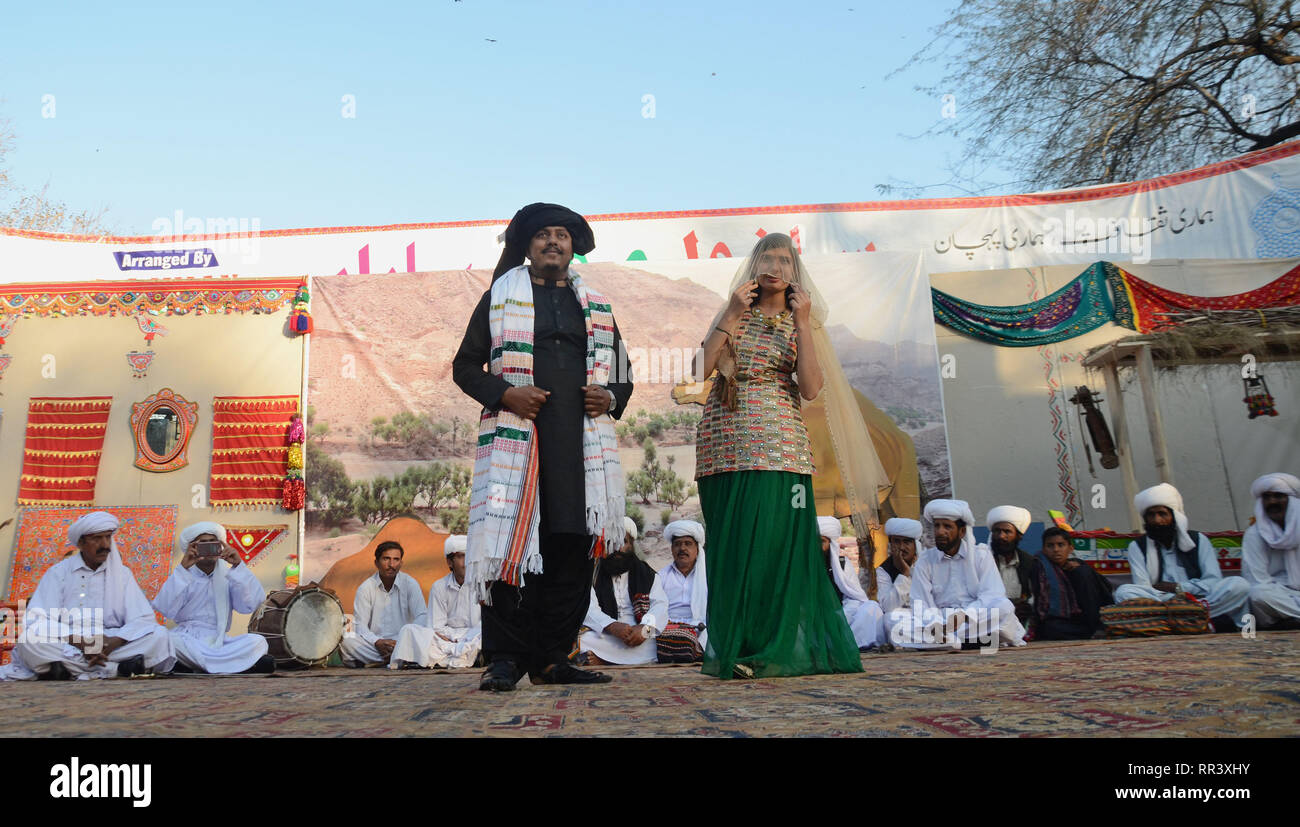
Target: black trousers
(537, 625)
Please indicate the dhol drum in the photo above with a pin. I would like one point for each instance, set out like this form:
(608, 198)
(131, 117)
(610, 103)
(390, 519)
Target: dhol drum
(302, 626)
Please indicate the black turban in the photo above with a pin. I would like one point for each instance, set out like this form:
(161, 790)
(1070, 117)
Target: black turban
(534, 217)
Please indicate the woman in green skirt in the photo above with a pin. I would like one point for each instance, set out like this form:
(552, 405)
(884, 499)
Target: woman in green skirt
(772, 608)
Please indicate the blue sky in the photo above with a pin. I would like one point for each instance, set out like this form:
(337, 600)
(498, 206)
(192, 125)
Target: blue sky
(235, 109)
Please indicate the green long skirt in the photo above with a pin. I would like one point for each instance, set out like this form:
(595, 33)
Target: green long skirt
(772, 606)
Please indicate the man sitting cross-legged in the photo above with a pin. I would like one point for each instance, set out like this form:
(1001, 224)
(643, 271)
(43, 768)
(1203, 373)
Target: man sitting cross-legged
(385, 602)
(199, 596)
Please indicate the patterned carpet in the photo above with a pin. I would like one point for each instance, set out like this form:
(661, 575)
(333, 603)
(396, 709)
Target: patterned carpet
(1216, 686)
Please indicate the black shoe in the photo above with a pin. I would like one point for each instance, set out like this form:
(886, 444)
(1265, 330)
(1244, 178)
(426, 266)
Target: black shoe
(564, 673)
(56, 672)
(265, 665)
(182, 669)
(500, 676)
(132, 667)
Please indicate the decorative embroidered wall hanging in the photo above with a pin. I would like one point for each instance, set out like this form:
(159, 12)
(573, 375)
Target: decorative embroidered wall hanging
(1082, 305)
(7, 322)
(65, 438)
(253, 542)
(146, 540)
(1102, 293)
(173, 297)
(161, 426)
(4, 363)
(140, 360)
(249, 453)
(150, 327)
(1145, 302)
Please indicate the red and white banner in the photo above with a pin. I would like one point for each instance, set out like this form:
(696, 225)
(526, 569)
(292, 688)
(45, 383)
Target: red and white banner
(1244, 208)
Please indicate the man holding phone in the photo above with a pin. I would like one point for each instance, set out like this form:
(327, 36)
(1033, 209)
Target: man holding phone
(210, 581)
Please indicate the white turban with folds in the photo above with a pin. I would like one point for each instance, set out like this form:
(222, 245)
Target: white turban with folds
(1168, 496)
(903, 527)
(685, 528)
(115, 571)
(1287, 535)
(830, 528)
(629, 527)
(953, 510)
(456, 543)
(96, 522)
(220, 590)
(1013, 514)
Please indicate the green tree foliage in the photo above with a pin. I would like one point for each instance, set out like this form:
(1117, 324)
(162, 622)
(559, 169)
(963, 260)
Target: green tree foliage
(329, 491)
(637, 516)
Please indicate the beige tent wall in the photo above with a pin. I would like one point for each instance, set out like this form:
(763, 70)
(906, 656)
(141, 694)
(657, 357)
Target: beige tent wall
(237, 354)
(1000, 404)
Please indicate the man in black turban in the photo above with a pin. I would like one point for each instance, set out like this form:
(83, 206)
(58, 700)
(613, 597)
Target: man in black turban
(543, 378)
(534, 217)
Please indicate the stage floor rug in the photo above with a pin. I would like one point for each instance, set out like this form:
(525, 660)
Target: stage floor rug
(1211, 686)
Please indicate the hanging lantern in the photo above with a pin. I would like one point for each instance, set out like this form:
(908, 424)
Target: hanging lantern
(1258, 400)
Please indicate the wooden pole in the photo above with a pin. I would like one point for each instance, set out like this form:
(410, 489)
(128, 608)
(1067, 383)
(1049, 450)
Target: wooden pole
(1119, 428)
(1155, 424)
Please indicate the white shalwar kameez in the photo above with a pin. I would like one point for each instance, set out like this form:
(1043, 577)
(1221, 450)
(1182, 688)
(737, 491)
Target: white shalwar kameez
(1270, 553)
(73, 598)
(612, 649)
(380, 615)
(967, 583)
(453, 633)
(865, 616)
(955, 591)
(1226, 595)
(688, 596)
(189, 599)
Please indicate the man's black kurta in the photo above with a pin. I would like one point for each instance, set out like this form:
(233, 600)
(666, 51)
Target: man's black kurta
(533, 626)
(559, 366)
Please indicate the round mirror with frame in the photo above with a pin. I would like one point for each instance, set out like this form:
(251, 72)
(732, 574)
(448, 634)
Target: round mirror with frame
(162, 426)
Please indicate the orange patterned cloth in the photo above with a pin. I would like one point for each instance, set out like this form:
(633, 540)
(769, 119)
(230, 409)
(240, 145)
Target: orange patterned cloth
(250, 449)
(765, 432)
(145, 539)
(65, 438)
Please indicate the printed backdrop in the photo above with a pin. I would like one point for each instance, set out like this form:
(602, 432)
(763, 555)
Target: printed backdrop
(383, 405)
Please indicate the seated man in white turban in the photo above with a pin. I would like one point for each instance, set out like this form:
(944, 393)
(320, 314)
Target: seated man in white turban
(1007, 525)
(627, 609)
(687, 589)
(956, 590)
(88, 618)
(385, 602)
(199, 596)
(1173, 560)
(894, 576)
(863, 614)
(454, 631)
(1270, 552)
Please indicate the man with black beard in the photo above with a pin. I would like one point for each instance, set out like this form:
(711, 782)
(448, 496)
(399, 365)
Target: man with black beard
(1173, 560)
(1007, 525)
(955, 584)
(1270, 552)
(548, 491)
(627, 610)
